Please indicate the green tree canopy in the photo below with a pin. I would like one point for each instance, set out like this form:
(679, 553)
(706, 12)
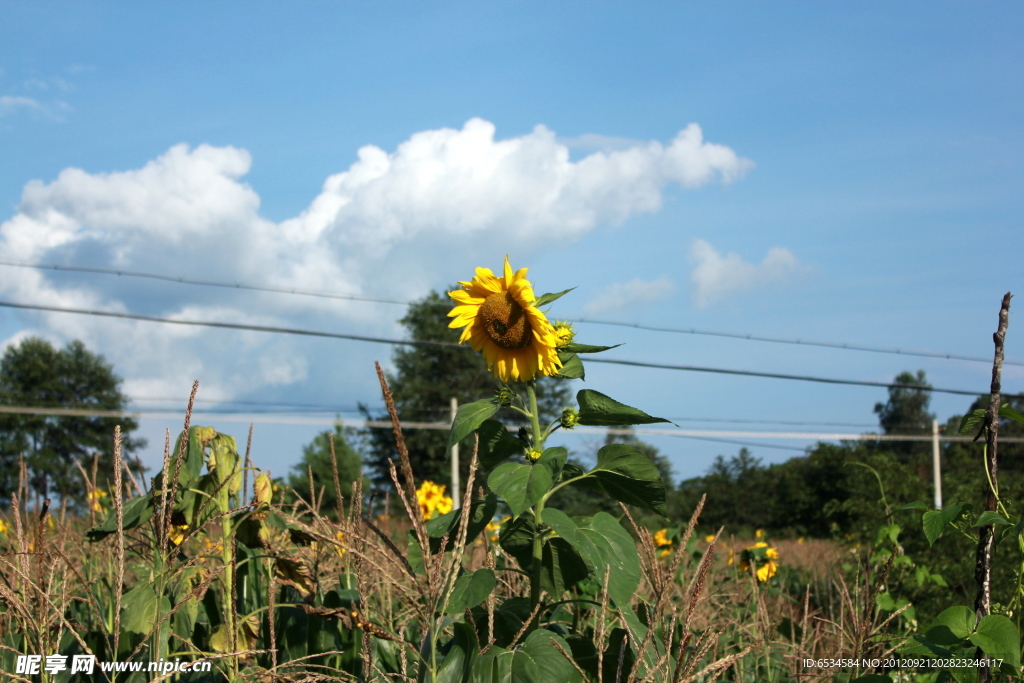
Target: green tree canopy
(35, 374)
(316, 458)
(425, 380)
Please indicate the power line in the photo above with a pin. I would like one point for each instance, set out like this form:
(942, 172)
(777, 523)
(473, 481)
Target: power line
(801, 342)
(432, 344)
(402, 302)
(204, 283)
(445, 425)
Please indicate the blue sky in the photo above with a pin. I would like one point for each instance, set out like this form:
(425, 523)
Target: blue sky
(854, 175)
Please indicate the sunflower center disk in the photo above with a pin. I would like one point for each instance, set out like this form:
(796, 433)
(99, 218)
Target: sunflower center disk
(505, 321)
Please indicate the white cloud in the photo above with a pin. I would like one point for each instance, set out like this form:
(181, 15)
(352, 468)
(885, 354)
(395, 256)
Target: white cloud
(11, 103)
(379, 227)
(715, 276)
(622, 295)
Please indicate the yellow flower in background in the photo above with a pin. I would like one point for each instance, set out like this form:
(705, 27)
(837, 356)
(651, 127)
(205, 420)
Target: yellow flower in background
(661, 540)
(177, 534)
(763, 557)
(97, 500)
(800, 541)
(709, 538)
(759, 534)
(493, 527)
(432, 501)
(4, 527)
(502, 322)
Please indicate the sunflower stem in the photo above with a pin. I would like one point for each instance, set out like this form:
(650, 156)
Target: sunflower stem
(538, 512)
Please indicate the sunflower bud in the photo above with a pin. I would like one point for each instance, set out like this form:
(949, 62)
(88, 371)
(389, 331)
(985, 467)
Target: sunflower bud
(533, 454)
(504, 396)
(570, 418)
(564, 333)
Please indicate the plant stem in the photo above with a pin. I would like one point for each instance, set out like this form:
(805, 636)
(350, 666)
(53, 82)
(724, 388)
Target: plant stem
(538, 512)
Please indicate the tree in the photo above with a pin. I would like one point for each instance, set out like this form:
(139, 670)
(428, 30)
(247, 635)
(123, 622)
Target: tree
(906, 412)
(316, 457)
(35, 374)
(425, 380)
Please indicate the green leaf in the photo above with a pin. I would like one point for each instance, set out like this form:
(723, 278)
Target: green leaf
(494, 666)
(516, 538)
(136, 511)
(971, 421)
(538, 661)
(469, 417)
(936, 521)
(480, 514)
(1006, 411)
(998, 638)
(509, 617)
(562, 567)
(602, 542)
(139, 607)
(586, 348)
(990, 517)
(572, 366)
(459, 661)
(520, 485)
(470, 590)
(629, 476)
(596, 409)
(916, 505)
(496, 444)
(963, 669)
(959, 620)
(553, 459)
(545, 299)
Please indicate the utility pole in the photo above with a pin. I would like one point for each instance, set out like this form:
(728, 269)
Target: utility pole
(936, 467)
(456, 498)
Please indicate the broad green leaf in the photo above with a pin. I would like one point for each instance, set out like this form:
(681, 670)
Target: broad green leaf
(538, 661)
(990, 517)
(139, 607)
(554, 460)
(916, 505)
(962, 668)
(496, 444)
(1006, 411)
(599, 410)
(480, 514)
(572, 366)
(586, 348)
(509, 617)
(997, 636)
(458, 663)
(959, 620)
(611, 546)
(469, 417)
(494, 666)
(516, 538)
(629, 476)
(136, 511)
(470, 590)
(520, 485)
(562, 567)
(971, 421)
(545, 299)
(936, 521)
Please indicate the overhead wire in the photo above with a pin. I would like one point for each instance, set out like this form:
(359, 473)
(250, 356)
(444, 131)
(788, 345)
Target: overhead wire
(403, 302)
(433, 344)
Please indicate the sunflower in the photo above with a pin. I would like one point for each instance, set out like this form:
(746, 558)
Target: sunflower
(502, 322)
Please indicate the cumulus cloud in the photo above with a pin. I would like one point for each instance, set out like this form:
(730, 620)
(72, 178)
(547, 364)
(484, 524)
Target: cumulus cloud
(452, 196)
(715, 276)
(622, 295)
